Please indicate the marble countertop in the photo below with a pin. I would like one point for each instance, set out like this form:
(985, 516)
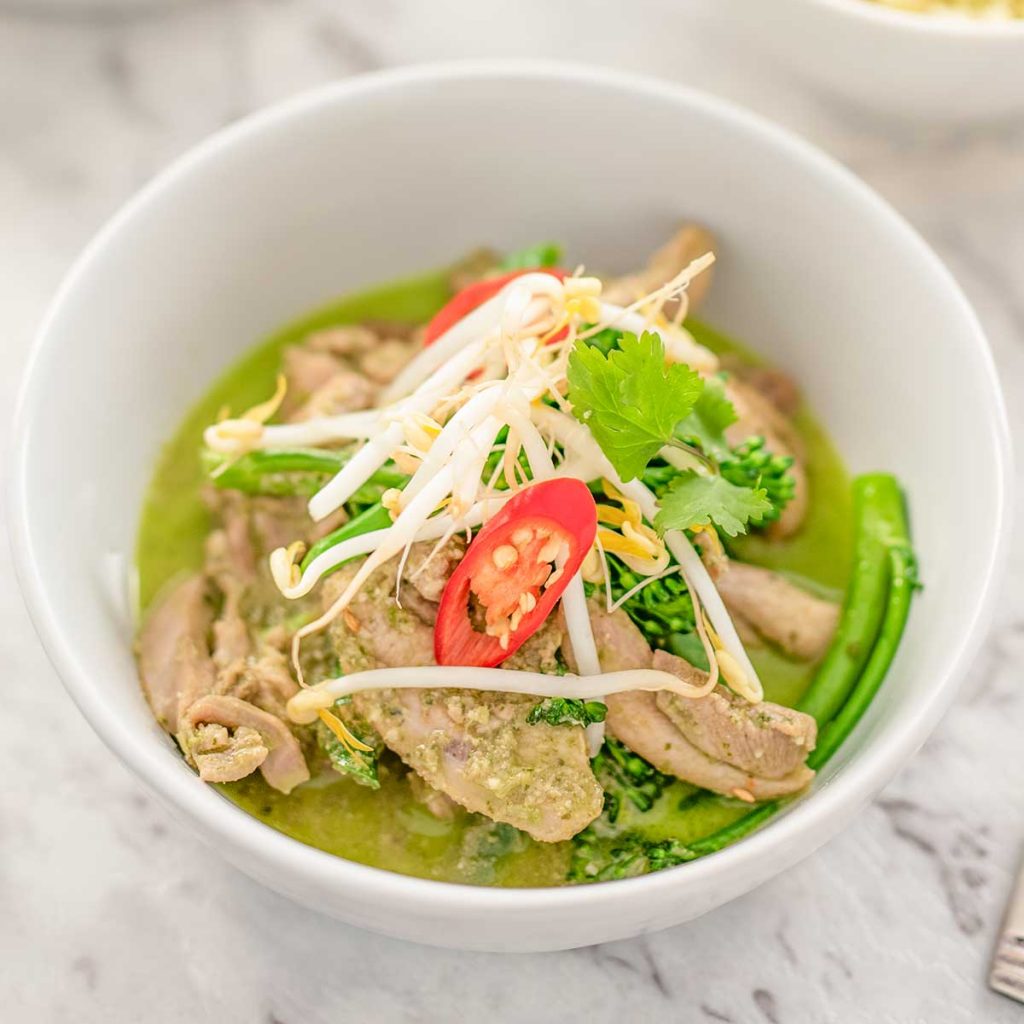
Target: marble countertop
(108, 913)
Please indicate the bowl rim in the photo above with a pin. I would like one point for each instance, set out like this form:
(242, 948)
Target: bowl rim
(942, 23)
(228, 827)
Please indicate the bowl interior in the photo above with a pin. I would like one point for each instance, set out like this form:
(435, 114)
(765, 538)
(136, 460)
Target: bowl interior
(370, 181)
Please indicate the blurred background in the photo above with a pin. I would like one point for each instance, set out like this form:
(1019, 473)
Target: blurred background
(895, 920)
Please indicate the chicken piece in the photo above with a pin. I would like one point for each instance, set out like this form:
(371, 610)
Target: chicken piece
(775, 385)
(174, 655)
(636, 720)
(429, 575)
(284, 767)
(230, 635)
(221, 757)
(687, 244)
(375, 632)
(441, 806)
(475, 747)
(346, 340)
(344, 391)
(230, 558)
(382, 362)
(307, 368)
(784, 614)
(764, 739)
(540, 652)
(265, 681)
(479, 749)
(706, 741)
(620, 644)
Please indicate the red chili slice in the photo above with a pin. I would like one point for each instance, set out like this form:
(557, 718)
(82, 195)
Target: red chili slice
(508, 570)
(474, 295)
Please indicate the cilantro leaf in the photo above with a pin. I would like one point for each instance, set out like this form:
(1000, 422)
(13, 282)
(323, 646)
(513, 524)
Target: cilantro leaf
(631, 399)
(567, 711)
(695, 500)
(705, 426)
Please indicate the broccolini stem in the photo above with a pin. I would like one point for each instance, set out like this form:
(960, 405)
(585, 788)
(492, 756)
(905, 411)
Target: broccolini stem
(880, 521)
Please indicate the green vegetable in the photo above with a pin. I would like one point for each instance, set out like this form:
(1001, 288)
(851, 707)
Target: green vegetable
(360, 765)
(706, 424)
(278, 472)
(285, 472)
(374, 518)
(903, 582)
(870, 628)
(606, 340)
(752, 465)
(543, 254)
(625, 775)
(880, 524)
(695, 500)
(631, 399)
(629, 855)
(567, 711)
(662, 609)
(635, 404)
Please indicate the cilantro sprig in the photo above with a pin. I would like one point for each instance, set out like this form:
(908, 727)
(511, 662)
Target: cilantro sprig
(631, 399)
(635, 404)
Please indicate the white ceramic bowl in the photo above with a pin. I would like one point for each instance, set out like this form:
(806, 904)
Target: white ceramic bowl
(924, 67)
(385, 175)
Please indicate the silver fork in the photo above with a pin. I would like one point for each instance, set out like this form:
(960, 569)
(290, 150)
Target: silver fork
(1007, 975)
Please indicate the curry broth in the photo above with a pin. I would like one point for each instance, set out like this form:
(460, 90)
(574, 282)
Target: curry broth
(389, 828)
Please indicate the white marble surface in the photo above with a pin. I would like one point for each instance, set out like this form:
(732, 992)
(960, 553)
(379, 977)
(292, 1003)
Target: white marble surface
(108, 913)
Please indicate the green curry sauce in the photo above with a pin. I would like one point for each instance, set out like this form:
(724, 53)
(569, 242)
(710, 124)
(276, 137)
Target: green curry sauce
(389, 828)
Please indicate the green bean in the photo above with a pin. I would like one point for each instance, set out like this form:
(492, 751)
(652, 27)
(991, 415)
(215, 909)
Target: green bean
(903, 583)
(286, 472)
(376, 517)
(736, 830)
(878, 512)
(281, 472)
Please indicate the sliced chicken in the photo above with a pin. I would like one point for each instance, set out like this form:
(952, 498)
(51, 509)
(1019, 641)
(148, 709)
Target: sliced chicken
(174, 655)
(345, 340)
(344, 391)
(283, 767)
(265, 681)
(306, 368)
(783, 613)
(475, 747)
(763, 739)
(620, 644)
(709, 741)
(777, 386)
(479, 749)
(686, 245)
(375, 632)
(383, 361)
(636, 720)
(220, 756)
